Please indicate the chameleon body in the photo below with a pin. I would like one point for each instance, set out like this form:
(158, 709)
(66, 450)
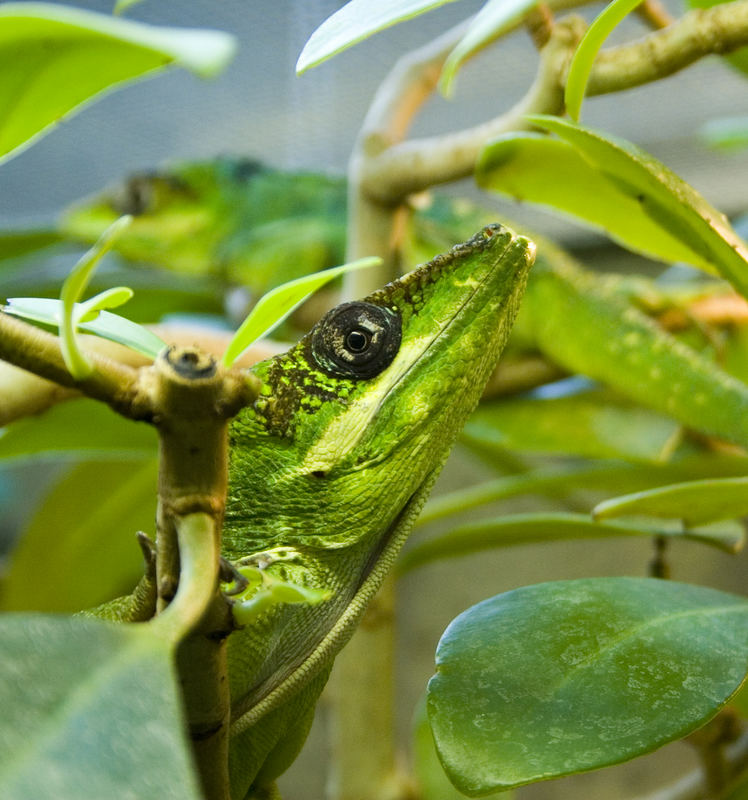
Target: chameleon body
(330, 467)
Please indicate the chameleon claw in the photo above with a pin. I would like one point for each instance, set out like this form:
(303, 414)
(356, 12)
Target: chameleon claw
(148, 548)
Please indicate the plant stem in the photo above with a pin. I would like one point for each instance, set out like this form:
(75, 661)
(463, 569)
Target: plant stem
(125, 389)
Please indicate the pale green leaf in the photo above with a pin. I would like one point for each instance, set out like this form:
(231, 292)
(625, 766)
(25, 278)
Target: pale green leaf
(668, 200)
(72, 290)
(496, 18)
(80, 549)
(356, 21)
(694, 502)
(537, 169)
(54, 58)
(109, 298)
(272, 308)
(587, 49)
(109, 326)
(123, 5)
(565, 677)
(533, 527)
(610, 476)
(90, 710)
(265, 591)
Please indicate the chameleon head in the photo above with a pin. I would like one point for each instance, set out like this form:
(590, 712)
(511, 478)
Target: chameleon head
(354, 422)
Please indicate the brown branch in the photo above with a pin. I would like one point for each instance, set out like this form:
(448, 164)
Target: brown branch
(700, 32)
(417, 164)
(654, 13)
(125, 389)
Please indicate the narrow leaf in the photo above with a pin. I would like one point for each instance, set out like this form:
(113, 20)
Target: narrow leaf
(273, 307)
(496, 18)
(109, 298)
(610, 476)
(694, 502)
(99, 709)
(537, 169)
(529, 528)
(586, 52)
(108, 326)
(72, 290)
(565, 677)
(356, 21)
(54, 59)
(667, 199)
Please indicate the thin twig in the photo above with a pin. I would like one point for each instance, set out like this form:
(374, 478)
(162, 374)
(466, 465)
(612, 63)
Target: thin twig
(700, 32)
(654, 13)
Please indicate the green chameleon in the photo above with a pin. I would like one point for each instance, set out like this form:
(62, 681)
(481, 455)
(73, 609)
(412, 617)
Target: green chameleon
(330, 467)
(230, 219)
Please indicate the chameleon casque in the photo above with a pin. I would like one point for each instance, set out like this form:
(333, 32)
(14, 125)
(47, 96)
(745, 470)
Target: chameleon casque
(330, 467)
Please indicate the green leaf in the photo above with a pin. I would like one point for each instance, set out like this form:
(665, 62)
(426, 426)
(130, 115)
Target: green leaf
(595, 424)
(107, 325)
(265, 591)
(90, 709)
(668, 200)
(356, 21)
(584, 55)
(272, 308)
(72, 290)
(537, 169)
(613, 342)
(558, 481)
(54, 59)
(496, 18)
(529, 528)
(565, 677)
(727, 133)
(123, 5)
(75, 429)
(79, 549)
(694, 502)
(433, 784)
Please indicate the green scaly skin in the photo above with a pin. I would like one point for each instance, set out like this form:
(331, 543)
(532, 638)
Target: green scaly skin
(334, 468)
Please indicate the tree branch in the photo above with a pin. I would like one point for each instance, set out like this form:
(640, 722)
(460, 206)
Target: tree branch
(415, 165)
(125, 389)
(700, 32)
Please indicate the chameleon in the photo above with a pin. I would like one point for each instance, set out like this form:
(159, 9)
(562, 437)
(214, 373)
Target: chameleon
(330, 466)
(229, 214)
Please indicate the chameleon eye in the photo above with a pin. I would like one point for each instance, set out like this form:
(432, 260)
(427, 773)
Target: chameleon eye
(356, 340)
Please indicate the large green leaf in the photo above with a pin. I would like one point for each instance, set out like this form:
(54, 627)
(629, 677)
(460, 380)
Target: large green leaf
(537, 169)
(75, 429)
(433, 783)
(533, 527)
(559, 678)
(594, 424)
(53, 59)
(80, 549)
(584, 328)
(695, 502)
(667, 199)
(90, 710)
(356, 21)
